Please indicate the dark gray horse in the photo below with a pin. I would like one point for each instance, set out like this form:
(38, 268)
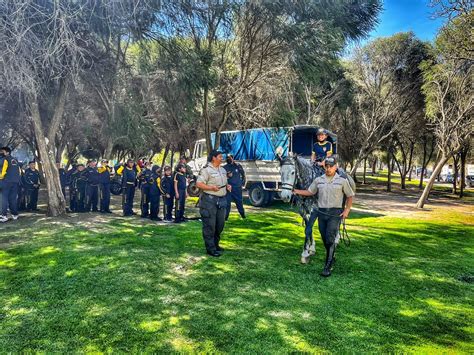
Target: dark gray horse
(298, 172)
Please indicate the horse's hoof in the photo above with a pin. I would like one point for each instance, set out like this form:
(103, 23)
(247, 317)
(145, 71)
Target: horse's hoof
(304, 260)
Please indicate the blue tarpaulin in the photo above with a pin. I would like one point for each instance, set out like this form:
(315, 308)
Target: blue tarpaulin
(254, 144)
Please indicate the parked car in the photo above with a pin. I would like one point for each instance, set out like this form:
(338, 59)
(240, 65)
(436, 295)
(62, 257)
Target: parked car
(470, 180)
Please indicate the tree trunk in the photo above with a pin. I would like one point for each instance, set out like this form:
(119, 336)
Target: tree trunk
(207, 119)
(374, 167)
(358, 160)
(436, 171)
(455, 172)
(464, 153)
(222, 124)
(56, 200)
(423, 164)
(165, 154)
(365, 172)
(389, 174)
(172, 158)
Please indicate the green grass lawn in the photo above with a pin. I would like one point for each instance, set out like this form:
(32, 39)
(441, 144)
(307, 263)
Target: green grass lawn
(402, 286)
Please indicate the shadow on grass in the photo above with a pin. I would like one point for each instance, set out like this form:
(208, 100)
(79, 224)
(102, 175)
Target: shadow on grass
(149, 288)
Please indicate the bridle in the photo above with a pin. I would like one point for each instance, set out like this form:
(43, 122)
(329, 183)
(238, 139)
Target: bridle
(286, 185)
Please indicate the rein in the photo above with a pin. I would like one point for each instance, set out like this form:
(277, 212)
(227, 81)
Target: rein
(288, 186)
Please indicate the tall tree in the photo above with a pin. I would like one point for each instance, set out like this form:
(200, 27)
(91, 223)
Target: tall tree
(387, 80)
(449, 92)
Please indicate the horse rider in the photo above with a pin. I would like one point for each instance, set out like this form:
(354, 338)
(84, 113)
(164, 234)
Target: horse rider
(331, 189)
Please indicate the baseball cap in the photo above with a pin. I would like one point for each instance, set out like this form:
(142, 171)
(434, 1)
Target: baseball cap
(330, 161)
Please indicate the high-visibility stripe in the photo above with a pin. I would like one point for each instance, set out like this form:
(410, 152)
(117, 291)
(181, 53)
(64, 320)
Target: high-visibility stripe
(4, 169)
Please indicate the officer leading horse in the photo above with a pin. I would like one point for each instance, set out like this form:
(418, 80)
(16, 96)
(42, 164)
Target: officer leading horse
(299, 173)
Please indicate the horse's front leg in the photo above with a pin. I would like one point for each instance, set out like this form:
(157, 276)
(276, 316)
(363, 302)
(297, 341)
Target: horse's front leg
(309, 248)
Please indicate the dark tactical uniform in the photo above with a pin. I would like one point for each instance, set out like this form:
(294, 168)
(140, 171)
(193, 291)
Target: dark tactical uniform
(168, 189)
(104, 187)
(22, 192)
(155, 193)
(189, 171)
(213, 206)
(181, 181)
(92, 191)
(129, 179)
(331, 193)
(236, 179)
(79, 186)
(32, 183)
(72, 192)
(321, 150)
(144, 178)
(10, 175)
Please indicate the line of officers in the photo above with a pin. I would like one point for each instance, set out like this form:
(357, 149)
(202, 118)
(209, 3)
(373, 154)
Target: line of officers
(89, 188)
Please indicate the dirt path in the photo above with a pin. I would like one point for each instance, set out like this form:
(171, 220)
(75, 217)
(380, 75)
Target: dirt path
(368, 199)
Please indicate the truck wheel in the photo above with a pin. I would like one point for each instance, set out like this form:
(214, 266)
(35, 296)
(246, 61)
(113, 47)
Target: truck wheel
(115, 188)
(257, 195)
(193, 190)
(268, 197)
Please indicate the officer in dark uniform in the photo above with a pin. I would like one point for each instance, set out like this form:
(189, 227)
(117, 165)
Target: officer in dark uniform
(32, 185)
(79, 184)
(333, 190)
(180, 184)
(212, 180)
(22, 192)
(167, 186)
(129, 180)
(236, 179)
(104, 186)
(144, 181)
(92, 191)
(62, 178)
(155, 193)
(189, 171)
(10, 176)
(72, 193)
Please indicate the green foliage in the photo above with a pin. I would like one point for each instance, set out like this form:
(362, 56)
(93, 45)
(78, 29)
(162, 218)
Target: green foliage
(455, 40)
(128, 286)
(283, 117)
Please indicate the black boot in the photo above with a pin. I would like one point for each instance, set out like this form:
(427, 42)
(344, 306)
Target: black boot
(330, 251)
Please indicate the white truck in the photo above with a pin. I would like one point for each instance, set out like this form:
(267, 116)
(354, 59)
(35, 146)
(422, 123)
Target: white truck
(256, 150)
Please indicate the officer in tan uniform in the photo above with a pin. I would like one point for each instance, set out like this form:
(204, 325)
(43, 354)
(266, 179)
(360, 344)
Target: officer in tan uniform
(212, 180)
(332, 189)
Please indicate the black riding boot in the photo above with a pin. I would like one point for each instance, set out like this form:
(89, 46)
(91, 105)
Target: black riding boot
(330, 259)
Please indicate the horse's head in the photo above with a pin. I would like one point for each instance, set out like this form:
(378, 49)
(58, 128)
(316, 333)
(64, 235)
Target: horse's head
(288, 177)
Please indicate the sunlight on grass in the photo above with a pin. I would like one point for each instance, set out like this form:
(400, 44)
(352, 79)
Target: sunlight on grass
(122, 287)
(151, 326)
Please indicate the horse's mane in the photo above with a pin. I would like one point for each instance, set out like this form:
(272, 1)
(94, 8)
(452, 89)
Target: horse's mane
(307, 172)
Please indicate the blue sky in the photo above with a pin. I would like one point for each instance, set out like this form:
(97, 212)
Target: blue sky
(407, 15)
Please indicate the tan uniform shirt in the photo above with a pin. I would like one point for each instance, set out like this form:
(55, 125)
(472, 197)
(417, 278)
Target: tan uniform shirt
(331, 190)
(214, 176)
